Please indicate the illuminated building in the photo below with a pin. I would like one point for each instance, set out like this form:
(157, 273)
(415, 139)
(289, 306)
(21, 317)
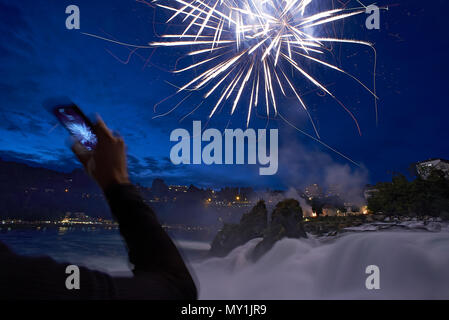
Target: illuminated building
(313, 191)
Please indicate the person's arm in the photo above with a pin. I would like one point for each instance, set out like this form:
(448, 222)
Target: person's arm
(157, 262)
(159, 271)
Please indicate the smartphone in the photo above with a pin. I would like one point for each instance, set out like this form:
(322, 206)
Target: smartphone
(78, 125)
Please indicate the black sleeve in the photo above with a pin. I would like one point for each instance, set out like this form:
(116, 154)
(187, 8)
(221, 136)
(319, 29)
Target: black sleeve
(159, 270)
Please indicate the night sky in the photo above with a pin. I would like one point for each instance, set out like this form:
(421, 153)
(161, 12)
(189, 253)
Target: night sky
(41, 59)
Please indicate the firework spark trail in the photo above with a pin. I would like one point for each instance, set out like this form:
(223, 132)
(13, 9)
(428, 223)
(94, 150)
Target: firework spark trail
(250, 43)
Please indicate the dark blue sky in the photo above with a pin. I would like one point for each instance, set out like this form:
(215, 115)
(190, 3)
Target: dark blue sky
(40, 58)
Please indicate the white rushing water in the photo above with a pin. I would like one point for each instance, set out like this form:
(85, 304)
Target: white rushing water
(413, 265)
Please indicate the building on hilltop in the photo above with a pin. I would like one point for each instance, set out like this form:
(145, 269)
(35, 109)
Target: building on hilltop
(424, 168)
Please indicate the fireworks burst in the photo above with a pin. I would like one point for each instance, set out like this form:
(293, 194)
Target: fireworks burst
(253, 46)
(252, 52)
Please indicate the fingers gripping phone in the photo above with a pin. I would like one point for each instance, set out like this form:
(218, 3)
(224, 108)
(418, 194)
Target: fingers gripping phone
(78, 125)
